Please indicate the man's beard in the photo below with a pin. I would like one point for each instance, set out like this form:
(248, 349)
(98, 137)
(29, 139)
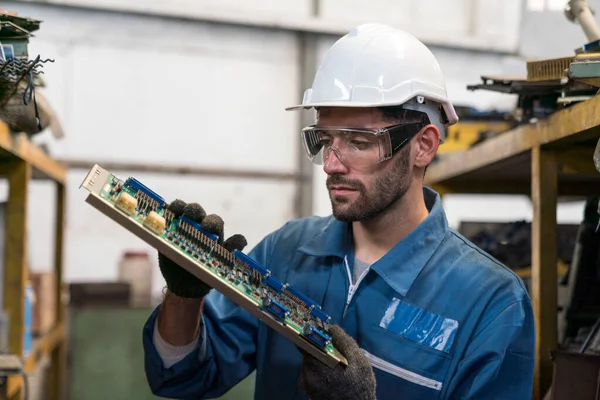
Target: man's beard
(386, 191)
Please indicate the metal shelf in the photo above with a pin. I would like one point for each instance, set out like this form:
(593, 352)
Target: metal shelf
(543, 160)
(20, 162)
(503, 164)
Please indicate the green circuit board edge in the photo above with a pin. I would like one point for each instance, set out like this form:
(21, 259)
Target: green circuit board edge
(234, 269)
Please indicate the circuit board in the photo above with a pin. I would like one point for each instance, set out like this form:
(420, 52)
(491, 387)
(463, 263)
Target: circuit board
(242, 279)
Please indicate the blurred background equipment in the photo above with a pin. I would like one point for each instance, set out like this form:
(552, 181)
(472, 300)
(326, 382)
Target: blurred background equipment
(21, 107)
(537, 99)
(581, 12)
(510, 243)
(556, 83)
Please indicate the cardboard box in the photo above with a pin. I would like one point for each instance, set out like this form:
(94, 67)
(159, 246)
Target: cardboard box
(99, 294)
(44, 308)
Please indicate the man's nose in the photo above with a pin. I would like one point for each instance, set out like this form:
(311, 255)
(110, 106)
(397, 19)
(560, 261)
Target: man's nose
(333, 164)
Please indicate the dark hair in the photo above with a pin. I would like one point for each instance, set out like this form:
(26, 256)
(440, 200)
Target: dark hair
(397, 114)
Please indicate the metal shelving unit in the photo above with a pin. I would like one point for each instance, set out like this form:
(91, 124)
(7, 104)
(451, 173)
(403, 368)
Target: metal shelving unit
(545, 160)
(21, 162)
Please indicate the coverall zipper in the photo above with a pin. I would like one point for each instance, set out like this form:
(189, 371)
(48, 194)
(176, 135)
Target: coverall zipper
(353, 287)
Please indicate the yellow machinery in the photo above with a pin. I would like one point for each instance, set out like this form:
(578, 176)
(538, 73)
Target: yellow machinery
(474, 126)
(465, 134)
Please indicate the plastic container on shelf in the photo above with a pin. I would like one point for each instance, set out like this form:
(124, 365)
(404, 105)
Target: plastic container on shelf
(28, 319)
(136, 269)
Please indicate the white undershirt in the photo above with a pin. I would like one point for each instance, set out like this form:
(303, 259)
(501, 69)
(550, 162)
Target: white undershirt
(169, 353)
(359, 267)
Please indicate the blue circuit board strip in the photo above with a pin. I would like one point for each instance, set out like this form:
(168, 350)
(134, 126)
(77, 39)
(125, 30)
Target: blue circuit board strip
(197, 226)
(251, 263)
(136, 186)
(296, 293)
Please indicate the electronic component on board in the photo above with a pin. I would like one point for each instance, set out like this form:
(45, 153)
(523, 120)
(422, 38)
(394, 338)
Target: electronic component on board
(155, 222)
(276, 308)
(316, 336)
(126, 202)
(143, 192)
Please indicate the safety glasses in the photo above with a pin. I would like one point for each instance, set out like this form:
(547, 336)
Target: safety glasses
(357, 148)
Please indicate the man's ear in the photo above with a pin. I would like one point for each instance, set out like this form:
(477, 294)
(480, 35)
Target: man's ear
(426, 145)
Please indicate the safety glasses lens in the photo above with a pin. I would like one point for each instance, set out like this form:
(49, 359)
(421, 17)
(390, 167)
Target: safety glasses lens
(352, 147)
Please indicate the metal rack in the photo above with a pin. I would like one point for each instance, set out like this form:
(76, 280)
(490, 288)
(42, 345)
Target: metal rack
(20, 162)
(543, 160)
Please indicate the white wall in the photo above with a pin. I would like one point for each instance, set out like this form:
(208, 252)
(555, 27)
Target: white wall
(461, 23)
(169, 90)
(465, 23)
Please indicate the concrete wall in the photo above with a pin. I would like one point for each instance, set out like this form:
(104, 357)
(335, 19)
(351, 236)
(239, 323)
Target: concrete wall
(460, 23)
(134, 87)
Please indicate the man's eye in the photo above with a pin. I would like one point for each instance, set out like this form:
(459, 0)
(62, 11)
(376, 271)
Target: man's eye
(361, 145)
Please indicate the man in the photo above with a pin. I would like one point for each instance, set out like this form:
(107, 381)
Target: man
(419, 312)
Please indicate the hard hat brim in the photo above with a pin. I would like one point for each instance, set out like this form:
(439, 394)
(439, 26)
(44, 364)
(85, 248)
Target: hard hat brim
(336, 104)
(450, 112)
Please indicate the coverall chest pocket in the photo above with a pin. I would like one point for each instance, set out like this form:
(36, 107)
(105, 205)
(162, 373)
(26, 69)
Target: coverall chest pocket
(410, 351)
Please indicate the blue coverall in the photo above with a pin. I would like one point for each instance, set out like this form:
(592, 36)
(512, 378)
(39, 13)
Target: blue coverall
(437, 317)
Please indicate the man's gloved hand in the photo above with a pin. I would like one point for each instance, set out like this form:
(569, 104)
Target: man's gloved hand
(356, 381)
(180, 282)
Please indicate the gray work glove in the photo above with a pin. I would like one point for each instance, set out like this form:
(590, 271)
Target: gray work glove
(356, 381)
(180, 282)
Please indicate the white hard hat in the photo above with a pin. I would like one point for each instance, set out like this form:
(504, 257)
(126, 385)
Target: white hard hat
(375, 65)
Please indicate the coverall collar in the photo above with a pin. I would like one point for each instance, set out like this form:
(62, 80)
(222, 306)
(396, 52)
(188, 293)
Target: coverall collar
(403, 263)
